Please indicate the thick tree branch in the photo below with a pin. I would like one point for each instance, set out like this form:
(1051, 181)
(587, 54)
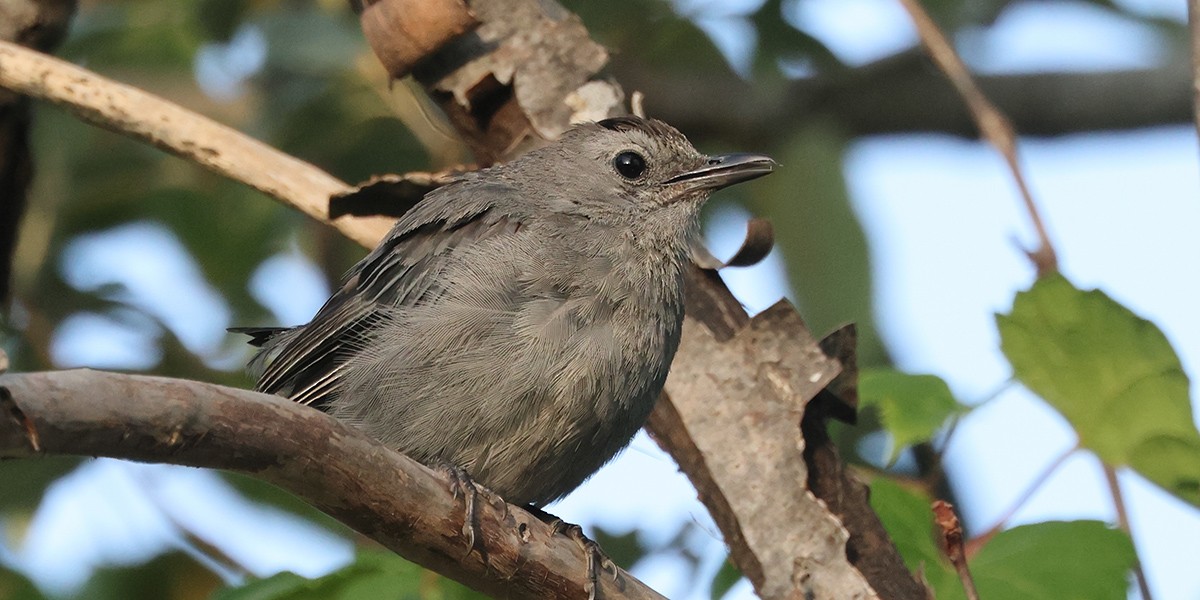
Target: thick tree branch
(730, 381)
(380, 493)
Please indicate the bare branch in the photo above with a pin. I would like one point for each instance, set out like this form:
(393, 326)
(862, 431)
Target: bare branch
(380, 493)
(992, 123)
(1114, 488)
(147, 117)
(982, 539)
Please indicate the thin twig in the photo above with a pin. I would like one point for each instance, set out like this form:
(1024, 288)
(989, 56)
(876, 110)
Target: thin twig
(211, 556)
(992, 395)
(991, 122)
(934, 478)
(1114, 487)
(952, 538)
(980, 540)
(1194, 26)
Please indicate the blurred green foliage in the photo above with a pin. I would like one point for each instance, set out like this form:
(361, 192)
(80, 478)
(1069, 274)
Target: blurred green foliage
(14, 586)
(374, 575)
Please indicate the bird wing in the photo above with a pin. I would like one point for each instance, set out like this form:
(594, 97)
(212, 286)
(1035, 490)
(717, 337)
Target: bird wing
(307, 363)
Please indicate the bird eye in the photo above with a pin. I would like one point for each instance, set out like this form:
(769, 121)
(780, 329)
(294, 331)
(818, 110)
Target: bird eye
(630, 165)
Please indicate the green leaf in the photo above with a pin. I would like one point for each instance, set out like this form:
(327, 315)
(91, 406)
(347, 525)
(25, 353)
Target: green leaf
(156, 36)
(812, 189)
(1056, 560)
(374, 575)
(1044, 561)
(906, 515)
(289, 34)
(726, 577)
(1112, 374)
(912, 407)
(219, 19)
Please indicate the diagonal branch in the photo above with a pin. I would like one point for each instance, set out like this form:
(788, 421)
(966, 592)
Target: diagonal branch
(380, 493)
(216, 147)
(992, 123)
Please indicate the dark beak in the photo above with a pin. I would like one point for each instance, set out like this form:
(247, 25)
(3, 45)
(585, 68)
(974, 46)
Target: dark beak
(725, 170)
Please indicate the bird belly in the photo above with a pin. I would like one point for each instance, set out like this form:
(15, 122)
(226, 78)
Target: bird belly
(530, 403)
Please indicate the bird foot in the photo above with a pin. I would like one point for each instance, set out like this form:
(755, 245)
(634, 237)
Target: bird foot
(596, 559)
(461, 484)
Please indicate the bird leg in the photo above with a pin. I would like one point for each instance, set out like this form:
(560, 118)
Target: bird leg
(596, 559)
(461, 484)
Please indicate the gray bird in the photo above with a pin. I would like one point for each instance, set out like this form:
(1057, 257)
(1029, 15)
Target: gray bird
(519, 322)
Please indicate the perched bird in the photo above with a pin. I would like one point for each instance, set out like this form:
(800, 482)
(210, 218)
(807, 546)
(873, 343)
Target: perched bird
(518, 323)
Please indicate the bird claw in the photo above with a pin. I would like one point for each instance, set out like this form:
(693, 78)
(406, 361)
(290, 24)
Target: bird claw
(595, 556)
(461, 484)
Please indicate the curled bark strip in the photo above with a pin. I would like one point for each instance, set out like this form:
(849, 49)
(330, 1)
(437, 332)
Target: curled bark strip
(388, 195)
(760, 238)
(403, 32)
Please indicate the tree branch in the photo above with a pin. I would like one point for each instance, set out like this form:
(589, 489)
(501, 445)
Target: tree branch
(730, 379)
(146, 117)
(499, 123)
(380, 493)
(993, 124)
(903, 94)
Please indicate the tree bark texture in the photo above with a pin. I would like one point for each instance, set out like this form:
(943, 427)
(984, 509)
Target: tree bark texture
(521, 77)
(781, 535)
(379, 493)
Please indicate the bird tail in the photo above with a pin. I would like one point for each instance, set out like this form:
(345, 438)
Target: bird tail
(265, 338)
(259, 336)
